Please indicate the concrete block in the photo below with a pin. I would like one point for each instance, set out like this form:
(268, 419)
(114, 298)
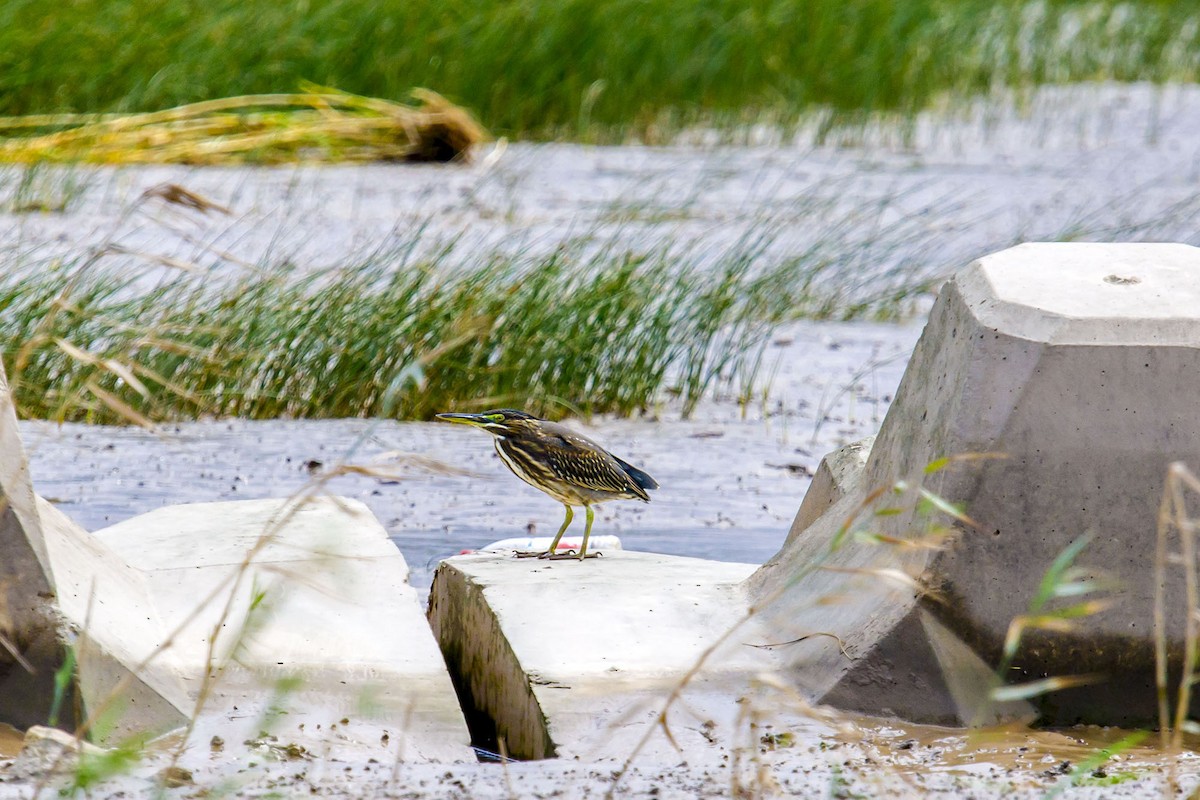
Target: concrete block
(30, 651)
(1081, 362)
(302, 616)
(111, 609)
(575, 659)
(836, 475)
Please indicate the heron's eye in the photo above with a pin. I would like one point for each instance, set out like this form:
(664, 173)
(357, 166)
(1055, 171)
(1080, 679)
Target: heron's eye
(495, 417)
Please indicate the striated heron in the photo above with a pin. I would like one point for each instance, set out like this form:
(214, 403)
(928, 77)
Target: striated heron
(571, 468)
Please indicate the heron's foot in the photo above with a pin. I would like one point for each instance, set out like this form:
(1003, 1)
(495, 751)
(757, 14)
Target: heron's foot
(528, 553)
(569, 554)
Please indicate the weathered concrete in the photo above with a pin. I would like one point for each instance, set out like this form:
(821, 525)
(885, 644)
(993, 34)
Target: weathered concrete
(111, 609)
(30, 651)
(53, 577)
(575, 659)
(303, 609)
(1081, 362)
(835, 477)
(50, 751)
(235, 614)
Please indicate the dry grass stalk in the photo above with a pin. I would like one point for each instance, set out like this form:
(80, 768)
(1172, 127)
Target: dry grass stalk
(1173, 519)
(317, 125)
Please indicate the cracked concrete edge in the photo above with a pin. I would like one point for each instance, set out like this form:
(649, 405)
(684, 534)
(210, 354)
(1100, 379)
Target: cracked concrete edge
(836, 475)
(577, 660)
(108, 606)
(32, 651)
(494, 691)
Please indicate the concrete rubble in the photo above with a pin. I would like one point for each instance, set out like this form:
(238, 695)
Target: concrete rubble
(1079, 363)
(321, 624)
(30, 652)
(575, 659)
(51, 751)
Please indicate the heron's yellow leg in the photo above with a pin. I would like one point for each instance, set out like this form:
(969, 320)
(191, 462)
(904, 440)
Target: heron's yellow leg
(563, 529)
(587, 531)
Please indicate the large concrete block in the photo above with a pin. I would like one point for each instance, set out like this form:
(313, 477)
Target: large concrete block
(59, 586)
(1081, 362)
(301, 616)
(30, 651)
(236, 615)
(575, 659)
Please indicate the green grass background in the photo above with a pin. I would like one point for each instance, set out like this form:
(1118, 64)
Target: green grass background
(585, 69)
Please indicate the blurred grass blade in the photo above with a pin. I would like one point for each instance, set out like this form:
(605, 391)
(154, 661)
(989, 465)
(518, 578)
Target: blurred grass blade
(1053, 576)
(1025, 691)
(946, 507)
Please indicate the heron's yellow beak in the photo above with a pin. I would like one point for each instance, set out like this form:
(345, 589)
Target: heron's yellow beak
(465, 419)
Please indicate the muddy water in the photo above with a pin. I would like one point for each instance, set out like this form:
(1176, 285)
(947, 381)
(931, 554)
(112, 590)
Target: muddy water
(997, 762)
(11, 740)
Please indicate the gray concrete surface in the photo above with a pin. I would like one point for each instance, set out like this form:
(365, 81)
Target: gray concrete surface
(116, 631)
(297, 609)
(1079, 362)
(31, 651)
(835, 477)
(576, 659)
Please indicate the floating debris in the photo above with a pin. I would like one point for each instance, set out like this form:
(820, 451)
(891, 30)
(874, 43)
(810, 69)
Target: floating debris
(314, 126)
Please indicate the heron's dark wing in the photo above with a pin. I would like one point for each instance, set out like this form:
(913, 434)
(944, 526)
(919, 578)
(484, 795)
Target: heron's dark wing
(640, 478)
(582, 462)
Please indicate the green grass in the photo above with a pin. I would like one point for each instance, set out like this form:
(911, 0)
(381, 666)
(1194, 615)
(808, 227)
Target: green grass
(581, 68)
(587, 327)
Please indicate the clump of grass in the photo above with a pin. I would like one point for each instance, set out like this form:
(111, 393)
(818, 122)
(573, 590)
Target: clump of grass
(419, 327)
(317, 125)
(586, 70)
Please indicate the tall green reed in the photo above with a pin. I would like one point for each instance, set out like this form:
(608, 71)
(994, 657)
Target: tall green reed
(587, 70)
(585, 327)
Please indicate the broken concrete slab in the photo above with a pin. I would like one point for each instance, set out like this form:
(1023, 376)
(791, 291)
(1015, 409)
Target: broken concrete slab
(30, 651)
(295, 612)
(1081, 363)
(575, 659)
(110, 608)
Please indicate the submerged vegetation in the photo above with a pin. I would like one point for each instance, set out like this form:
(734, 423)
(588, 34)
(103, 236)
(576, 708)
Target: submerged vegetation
(581, 69)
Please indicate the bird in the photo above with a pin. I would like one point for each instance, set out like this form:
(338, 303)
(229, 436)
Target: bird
(569, 467)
